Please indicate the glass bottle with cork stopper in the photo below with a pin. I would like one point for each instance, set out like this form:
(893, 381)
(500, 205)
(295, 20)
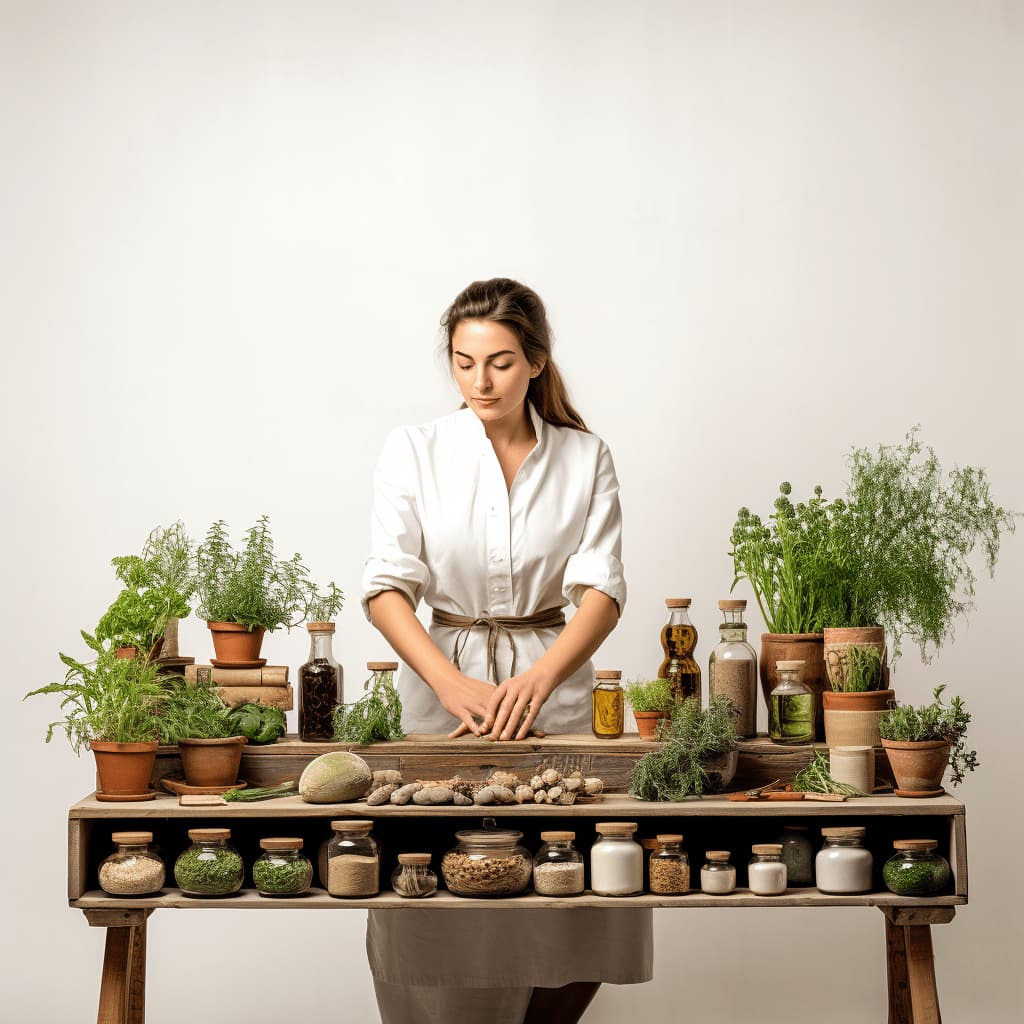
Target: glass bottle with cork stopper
(679, 640)
(791, 706)
(732, 667)
(321, 685)
(606, 705)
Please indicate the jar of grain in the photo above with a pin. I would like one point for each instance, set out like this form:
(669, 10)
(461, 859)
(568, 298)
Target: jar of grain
(413, 877)
(843, 866)
(133, 869)
(670, 867)
(209, 867)
(732, 667)
(353, 860)
(558, 866)
(718, 876)
(282, 869)
(797, 855)
(606, 706)
(487, 862)
(616, 860)
(766, 874)
(916, 869)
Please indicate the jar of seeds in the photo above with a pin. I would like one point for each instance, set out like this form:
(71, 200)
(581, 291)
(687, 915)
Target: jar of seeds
(353, 860)
(413, 877)
(558, 866)
(209, 867)
(669, 867)
(133, 869)
(281, 870)
(486, 863)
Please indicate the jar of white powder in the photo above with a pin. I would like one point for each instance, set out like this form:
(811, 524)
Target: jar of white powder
(766, 874)
(842, 865)
(718, 876)
(616, 860)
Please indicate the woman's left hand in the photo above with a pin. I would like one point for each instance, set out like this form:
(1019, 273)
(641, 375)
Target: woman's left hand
(514, 706)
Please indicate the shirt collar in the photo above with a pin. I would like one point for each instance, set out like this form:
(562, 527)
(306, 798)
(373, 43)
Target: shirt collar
(478, 427)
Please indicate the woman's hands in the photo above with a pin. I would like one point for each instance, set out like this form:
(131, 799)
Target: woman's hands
(465, 698)
(512, 707)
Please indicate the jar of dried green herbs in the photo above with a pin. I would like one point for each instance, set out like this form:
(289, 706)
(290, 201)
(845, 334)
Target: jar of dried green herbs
(282, 869)
(916, 869)
(209, 867)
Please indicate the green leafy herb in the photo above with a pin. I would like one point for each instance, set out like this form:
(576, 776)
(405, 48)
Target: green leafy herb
(652, 695)
(815, 778)
(259, 723)
(259, 793)
(863, 669)
(375, 716)
(281, 876)
(195, 711)
(324, 607)
(209, 872)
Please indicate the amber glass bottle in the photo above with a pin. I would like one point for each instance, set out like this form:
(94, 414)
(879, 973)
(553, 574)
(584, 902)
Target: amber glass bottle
(679, 640)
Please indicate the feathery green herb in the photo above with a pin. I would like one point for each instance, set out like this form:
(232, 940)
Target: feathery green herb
(375, 716)
(815, 778)
(650, 695)
(195, 711)
(209, 872)
(259, 793)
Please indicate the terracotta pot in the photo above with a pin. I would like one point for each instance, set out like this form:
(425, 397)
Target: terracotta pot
(805, 647)
(918, 765)
(872, 700)
(211, 762)
(125, 653)
(837, 646)
(647, 723)
(234, 644)
(852, 728)
(124, 768)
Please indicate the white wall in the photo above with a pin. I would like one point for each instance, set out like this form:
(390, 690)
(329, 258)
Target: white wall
(766, 232)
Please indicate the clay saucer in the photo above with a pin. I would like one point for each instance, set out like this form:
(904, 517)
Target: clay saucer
(919, 794)
(124, 798)
(258, 663)
(174, 783)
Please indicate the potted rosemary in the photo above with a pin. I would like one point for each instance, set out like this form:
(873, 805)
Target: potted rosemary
(651, 701)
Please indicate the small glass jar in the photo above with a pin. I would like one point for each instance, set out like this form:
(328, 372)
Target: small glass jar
(616, 860)
(209, 867)
(791, 706)
(843, 866)
(766, 874)
(353, 860)
(487, 862)
(718, 876)
(797, 855)
(669, 867)
(558, 866)
(132, 869)
(606, 705)
(732, 667)
(915, 869)
(282, 869)
(413, 878)
(321, 685)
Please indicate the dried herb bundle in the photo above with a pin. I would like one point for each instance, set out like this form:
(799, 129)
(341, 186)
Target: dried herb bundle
(375, 716)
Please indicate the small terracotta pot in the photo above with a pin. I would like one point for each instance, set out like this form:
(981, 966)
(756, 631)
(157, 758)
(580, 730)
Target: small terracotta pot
(871, 700)
(234, 644)
(852, 728)
(805, 647)
(124, 768)
(837, 643)
(211, 762)
(918, 765)
(126, 653)
(647, 723)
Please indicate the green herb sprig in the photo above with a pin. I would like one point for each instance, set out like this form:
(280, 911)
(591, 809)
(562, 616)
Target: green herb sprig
(649, 695)
(195, 711)
(260, 792)
(815, 778)
(374, 717)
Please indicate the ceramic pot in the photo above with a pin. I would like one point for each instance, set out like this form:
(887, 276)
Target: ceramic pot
(805, 647)
(918, 766)
(211, 762)
(871, 700)
(124, 768)
(852, 728)
(234, 644)
(837, 643)
(647, 723)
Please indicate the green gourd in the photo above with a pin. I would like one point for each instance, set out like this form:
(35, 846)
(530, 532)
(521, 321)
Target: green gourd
(334, 778)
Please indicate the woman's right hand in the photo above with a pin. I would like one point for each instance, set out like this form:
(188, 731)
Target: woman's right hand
(465, 698)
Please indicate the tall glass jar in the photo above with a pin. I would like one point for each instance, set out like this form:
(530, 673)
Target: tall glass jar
(353, 860)
(606, 706)
(669, 867)
(558, 866)
(413, 878)
(732, 667)
(843, 866)
(678, 641)
(487, 862)
(282, 869)
(718, 876)
(916, 869)
(616, 860)
(791, 706)
(766, 874)
(209, 867)
(320, 685)
(797, 855)
(133, 869)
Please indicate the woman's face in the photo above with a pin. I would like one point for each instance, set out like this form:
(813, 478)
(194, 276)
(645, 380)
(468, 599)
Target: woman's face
(490, 368)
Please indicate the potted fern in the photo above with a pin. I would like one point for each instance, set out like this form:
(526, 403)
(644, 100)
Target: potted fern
(652, 701)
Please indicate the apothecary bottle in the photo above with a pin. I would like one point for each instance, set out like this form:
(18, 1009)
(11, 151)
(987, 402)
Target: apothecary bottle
(210, 866)
(766, 874)
(558, 866)
(414, 879)
(797, 855)
(843, 866)
(487, 862)
(320, 685)
(678, 641)
(916, 869)
(607, 708)
(791, 706)
(133, 869)
(616, 860)
(282, 869)
(353, 860)
(669, 867)
(717, 876)
(732, 667)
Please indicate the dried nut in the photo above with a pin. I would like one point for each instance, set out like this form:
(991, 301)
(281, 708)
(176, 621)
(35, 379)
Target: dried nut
(576, 774)
(503, 778)
(433, 795)
(593, 786)
(503, 795)
(381, 794)
(567, 798)
(536, 782)
(541, 797)
(485, 796)
(554, 793)
(571, 784)
(385, 777)
(404, 794)
(551, 776)
(461, 800)
(524, 793)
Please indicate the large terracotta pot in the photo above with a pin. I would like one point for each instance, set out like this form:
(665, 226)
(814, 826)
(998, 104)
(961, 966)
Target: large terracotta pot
(647, 723)
(805, 647)
(124, 768)
(918, 765)
(211, 762)
(871, 700)
(234, 644)
(837, 646)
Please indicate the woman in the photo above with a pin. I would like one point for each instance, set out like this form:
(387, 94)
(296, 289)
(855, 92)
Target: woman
(498, 515)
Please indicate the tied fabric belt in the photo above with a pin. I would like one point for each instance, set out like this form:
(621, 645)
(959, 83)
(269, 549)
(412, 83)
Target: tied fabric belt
(550, 618)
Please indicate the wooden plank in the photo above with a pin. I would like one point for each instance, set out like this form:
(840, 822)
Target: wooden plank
(919, 915)
(900, 1010)
(114, 978)
(79, 833)
(107, 913)
(136, 1001)
(958, 853)
(924, 996)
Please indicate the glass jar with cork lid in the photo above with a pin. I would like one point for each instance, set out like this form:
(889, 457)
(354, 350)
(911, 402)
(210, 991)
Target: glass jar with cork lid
(842, 865)
(766, 874)
(487, 862)
(353, 860)
(413, 878)
(133, 869)
(616, 860)
(916, 868)
(607, 711)
(718, 876)
(558, 866)
(282, 869)
(669, 867)
(209, 867)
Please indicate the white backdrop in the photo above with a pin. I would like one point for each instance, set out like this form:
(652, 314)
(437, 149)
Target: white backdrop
(766, 232)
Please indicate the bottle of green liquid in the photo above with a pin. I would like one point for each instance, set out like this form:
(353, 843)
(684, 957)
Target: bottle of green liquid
(791, 706)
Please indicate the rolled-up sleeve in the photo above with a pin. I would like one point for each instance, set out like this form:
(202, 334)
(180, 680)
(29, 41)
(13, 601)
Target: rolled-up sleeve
(396, 536)
(597, 562)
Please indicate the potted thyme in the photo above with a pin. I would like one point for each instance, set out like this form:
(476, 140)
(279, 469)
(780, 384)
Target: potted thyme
(651, 701)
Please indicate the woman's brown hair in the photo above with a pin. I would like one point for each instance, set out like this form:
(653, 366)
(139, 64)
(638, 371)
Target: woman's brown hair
(520, 309)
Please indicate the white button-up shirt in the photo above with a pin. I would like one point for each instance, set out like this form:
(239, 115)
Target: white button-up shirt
(446, 530)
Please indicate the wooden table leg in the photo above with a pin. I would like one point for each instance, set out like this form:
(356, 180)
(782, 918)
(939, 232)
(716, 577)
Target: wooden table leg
(910, 963)
(123, 981)
(900, 1011)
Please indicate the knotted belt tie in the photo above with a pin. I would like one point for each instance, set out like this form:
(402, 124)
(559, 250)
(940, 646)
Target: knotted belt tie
(549, 618)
